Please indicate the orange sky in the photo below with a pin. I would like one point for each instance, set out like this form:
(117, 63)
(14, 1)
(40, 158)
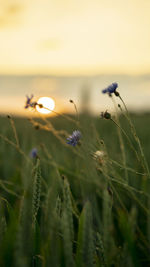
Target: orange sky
(74, 37)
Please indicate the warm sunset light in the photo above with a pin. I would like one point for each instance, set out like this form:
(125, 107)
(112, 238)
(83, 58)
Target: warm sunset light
(48, 105)
(116, 33)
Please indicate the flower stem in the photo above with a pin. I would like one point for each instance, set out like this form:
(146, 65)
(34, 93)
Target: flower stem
(133, 131)
(128, 139)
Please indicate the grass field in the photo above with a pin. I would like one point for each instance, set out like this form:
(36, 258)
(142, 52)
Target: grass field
(69, 206)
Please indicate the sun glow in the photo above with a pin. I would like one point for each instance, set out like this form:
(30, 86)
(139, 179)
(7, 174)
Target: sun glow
(47, 103)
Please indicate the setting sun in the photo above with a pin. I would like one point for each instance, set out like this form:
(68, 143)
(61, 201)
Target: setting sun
(48, 105)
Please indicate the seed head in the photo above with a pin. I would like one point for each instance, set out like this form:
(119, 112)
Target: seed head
(63, 177)
(105, 115)
(99, 156)
(40, 105)
(110, 191)
(37, 127)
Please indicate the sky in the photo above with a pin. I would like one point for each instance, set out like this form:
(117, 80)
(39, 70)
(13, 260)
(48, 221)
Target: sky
(74, 37)
(57, 47)
(84, 91)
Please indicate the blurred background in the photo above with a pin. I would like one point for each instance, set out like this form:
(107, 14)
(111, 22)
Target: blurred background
(71, 49)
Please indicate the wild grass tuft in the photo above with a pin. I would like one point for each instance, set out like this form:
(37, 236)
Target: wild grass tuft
(85, 250)
(82, 204)
(36, 191)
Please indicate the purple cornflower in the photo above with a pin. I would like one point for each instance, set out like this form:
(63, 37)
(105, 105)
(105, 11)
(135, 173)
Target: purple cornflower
(29, 103)
(33, 153)
(74, 138)
(111, 89)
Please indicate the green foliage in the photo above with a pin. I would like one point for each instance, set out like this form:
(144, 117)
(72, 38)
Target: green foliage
(67, 240)
(85, 249)
(36, 190)
(101, 251)
(69, 206)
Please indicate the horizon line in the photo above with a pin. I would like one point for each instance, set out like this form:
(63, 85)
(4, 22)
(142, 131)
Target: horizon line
(74, 74)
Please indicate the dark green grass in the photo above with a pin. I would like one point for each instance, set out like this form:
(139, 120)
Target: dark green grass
(66, 209)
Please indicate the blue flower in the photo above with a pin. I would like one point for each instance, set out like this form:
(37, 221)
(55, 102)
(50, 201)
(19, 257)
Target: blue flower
(74, 138)
(29, 103)
(34, 153)
(110, 89)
